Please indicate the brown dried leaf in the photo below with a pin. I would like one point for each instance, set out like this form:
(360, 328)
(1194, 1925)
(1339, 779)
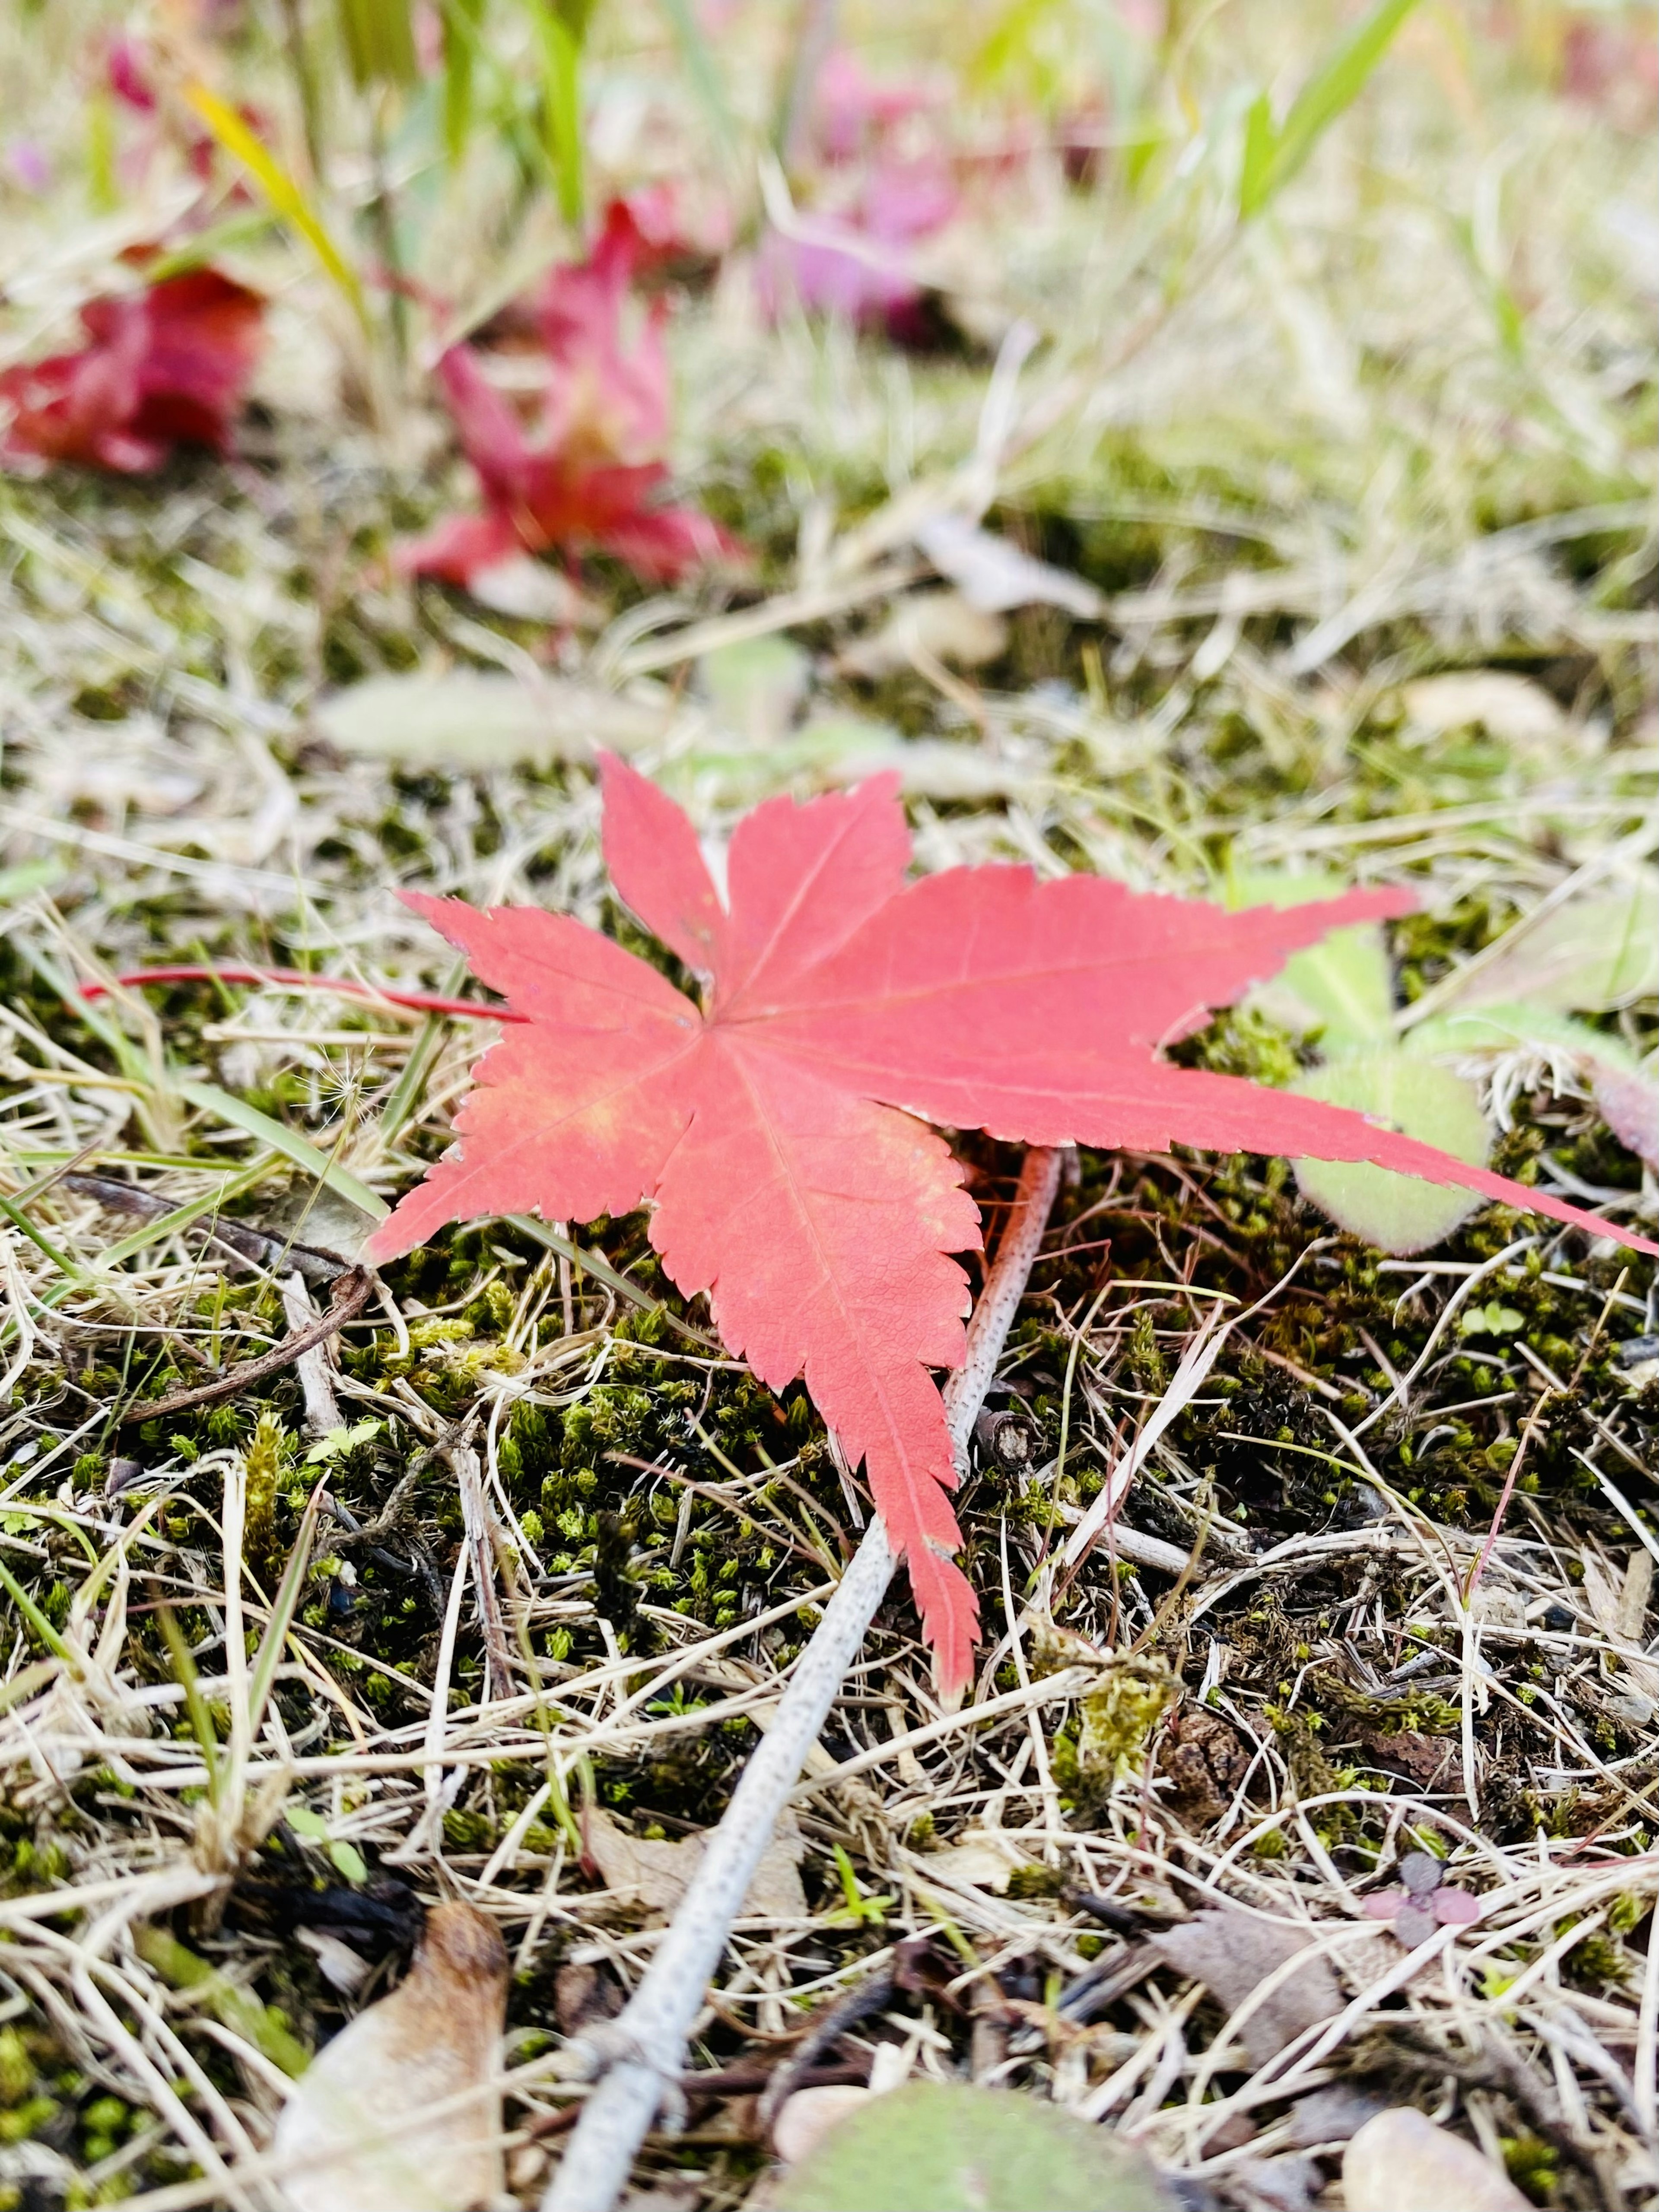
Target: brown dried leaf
(356, 2128)
(1205, 1760)
(1233, 1953)
(645, 1873)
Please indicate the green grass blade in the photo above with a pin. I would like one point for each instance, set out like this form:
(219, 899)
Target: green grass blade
(1334, 85)
(285, 196)
(293, 1146)
(283, 1607)
(36, 1620)
(703, 76)
(1261, 141)
(138, 1240)
(195, 1705)
(378, 37)
(596, 1265)
(561, 101)
(463, 21)
(60, 1261)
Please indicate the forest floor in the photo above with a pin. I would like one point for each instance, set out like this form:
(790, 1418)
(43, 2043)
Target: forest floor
(1400, 434)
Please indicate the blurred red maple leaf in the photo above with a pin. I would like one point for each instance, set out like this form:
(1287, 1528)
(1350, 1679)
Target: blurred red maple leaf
(165, 366)
(778, 1129)
(588, 478)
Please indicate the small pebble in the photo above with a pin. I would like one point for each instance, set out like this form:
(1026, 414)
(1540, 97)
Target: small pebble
(1420, 1871)
(804, 2119)
(1401, 2162)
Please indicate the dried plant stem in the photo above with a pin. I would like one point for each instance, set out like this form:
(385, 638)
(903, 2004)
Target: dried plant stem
(316, 1380)
(646, 2044)
(481, 1546)
(351, 1295)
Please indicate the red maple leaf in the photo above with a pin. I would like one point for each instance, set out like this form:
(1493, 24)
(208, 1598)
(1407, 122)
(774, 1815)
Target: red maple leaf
(778, 1130)
(165, 366)
(588, 478)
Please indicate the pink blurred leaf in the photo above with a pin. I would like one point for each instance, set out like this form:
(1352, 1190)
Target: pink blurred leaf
(586, 475)
(165, 366)
(1454, 1907)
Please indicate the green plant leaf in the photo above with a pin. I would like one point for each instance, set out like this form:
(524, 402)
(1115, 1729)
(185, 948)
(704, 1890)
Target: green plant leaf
(378, 37)
(755, 685)
(27, 877)
(349, 1862)
(1335, 84)
(338, 1442)
(1493, 1319)
(293, 1146)
(1483, 1030)
(1592, 955)
(1395, 1212)
(1624, 1086)
(944, 2147)
(561, 101)
(1343, 986)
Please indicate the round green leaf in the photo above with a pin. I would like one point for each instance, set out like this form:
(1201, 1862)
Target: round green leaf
(1397, 1212)
(1343, 986)
(942, 2147)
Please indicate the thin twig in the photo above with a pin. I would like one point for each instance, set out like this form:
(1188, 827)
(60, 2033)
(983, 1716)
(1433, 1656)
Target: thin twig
(643, 2047)
(350, 1295)
(481, 1546)
(316, 1378)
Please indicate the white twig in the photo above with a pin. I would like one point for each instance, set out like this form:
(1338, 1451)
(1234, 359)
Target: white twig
(315, 1372)
(480, 1526)
(646, 2045)
(1187, 1381)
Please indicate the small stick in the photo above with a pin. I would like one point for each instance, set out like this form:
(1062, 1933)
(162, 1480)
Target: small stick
(481, 1546)
(316, 1382)
(823, 2031)
(644, 2046)
(350, 1295)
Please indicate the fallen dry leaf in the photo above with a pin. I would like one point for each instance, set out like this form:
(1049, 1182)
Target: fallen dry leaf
(1401, 2162)
(1233, 1953)
(653, 1875)
(1205, 1760)
(163, 367)
(355, 2134)
(587, 475)
(979, 1859)
(475, 720)
(995, 576)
